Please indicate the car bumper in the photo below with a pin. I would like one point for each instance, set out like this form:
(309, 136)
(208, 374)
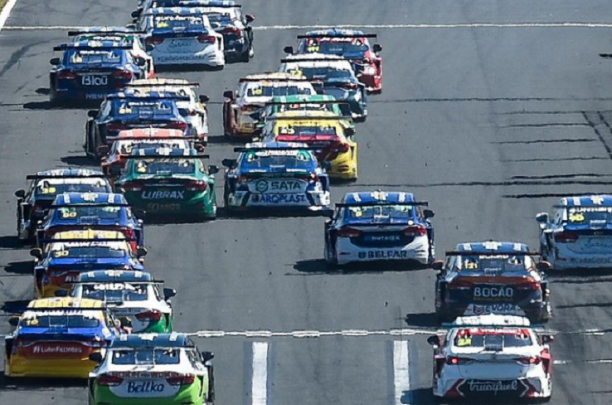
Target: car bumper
(205, 57)
(66, 95)
(309, 201)
(51, 368)
(185, 396)
(347, 252)
(522, 388)
(537, 311)
(566, 260)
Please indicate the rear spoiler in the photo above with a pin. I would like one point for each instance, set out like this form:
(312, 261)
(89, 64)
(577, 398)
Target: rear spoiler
(198, 4)
(309, 118)
(70, 176)
(171, 13)
(91, 205)
(149, 282)
(167, 157)
(83, 240)
(305, 102)
(104, 33)
(153, 138)
(164, 85)
(291, 60)
(337, 36)
(488, 253)
(296, 148)
(382, 204)
(64, 47)
(274, 79)
(144, 96)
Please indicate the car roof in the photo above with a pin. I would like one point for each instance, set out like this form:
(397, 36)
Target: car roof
(90, 198)
(92, 234)
(115, 276)
(64, 303)
(275, 145)
(335, 32)
(493, 247)
(150, 132)
(377, 196)
(146, 94)
(152, 340)
(91, 45)
(69, 171)
(165, 151)
(303, 98)
(594, 200)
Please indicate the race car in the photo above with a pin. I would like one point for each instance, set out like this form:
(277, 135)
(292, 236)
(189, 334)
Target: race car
(90, 70)
(193, 110)
(70, 253)
(492, 278)
(152, 369)
(182, 37)
(275, 176)
(132, 109)
(327, 133)
(253, 93)
(579, 236)
(336, 76)
(98, 211)
(173, 182)
(492, 357)
(127, 141)
(33, 204)
(122, 36)
(379, 226)
(54, 338)
(353, 45)
(226, 18)
(131, 295)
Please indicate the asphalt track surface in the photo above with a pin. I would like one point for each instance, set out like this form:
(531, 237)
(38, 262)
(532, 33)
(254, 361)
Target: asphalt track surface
(490, 125)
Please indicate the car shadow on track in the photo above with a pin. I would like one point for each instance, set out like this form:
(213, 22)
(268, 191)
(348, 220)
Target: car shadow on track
(38, 384)
(320, 267)
(9, 242)
(423, 319)
(78, 161)
(584, 276)
(43, 91)
(14, 307)
(23, 267)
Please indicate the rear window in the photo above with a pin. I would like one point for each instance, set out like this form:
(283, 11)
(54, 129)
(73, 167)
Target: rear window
(77, 57)
(494, 341)
(115, 292)
(147, 108)
(85, 213)
(298, 130)
(177, 22)
(379, 212)
(61, 321)
(589, 215)
(93, 252)
(146, 356)
(288, 159)
(495, 263)
(322, 72)
(335, 46)
(162, 166)
(51, 187)
(277, 91)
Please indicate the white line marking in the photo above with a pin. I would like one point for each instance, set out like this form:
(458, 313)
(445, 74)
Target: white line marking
(8, 7)
(367, 26)
(259, 384)
(401, 373)
(303, 334)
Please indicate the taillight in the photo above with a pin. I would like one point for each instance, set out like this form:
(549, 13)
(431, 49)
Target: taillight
(349, 233)
(454, 361)
(181, 379)
(66, 75)
(196, 186)
(460, 285)
(232, 30)
(529, 285)
(415, 230)
(529, 360)
(177, 125)
(154, 40)
(109, 380)
(565, 237)
(123, 75)
(310, 176)
(350, 86)
(207, 39)
(115, 127)
(342, 148)
(131, 186)
(129, 233)
(152, 315)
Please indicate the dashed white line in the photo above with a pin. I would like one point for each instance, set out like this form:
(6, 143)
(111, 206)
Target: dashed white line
(8, 7)
(259, 382)
(367, 26)
(401, 372)
(305, 334)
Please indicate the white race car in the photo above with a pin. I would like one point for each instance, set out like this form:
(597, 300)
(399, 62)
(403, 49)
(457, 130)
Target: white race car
(580, 233)
(182, 36)
(493, 357)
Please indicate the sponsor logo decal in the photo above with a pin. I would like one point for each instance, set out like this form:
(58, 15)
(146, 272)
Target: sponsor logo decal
(502, 308)
(90, 80)
(383, 254)
(383, 238)
(492, 387)
(262, 186)
(144, 387)
(56, 349)
(163, 195)
(280, 198)
(493, 292)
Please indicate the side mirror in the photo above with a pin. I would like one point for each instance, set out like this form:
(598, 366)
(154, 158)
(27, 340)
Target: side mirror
(61, 293)
(377, 48)
(249, 18)
(255, 116)
(136, 13)
(169, 293)
(37, 253)
(438, 265)
(547, 339)
(96, 357)
(149, 47)
(92, 113)
(229, 163)
(13, 321)
(228, 94)
(102, 150)
(288, 49)
(124, 322)
(207, 356)
(544, 266)
(141, 251)
(428, 214)
(20, 193)
(542, 217)
(115, 170)
(434, 340)
(204, 99)
(55, 61)
(349, 131)
(212, 169)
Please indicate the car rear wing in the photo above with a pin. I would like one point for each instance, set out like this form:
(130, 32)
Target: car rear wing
(85, 204)
(382, 204)
(64, 47)
(147, 282)
(159, 156)
(154, 138)
(67, 176)
(262, 148)
(207, 4)
(306, 102)
(104, 33)
(309, 118)
(305, 59)
(85, 240)
(144, 96)
(305, 36)
(137, 85)
(488, 253)
(273, 79)
(168, 12)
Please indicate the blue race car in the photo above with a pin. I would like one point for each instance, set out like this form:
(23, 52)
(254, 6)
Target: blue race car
(275, 176)
(98, 211)
(380, 226)
(331, 75)
(90, 70)
(131, 109)
(492, 278)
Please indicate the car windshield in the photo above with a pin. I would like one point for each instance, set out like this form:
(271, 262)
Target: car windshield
(589, 215)
(60, 321)
(298, 130)
(219, 18)
(146, 356)
(495, 263)
(277, 91)
(51, 187)
(84, 213)
(282, 159)
(165, 166)
(85, 252)
(379, 211)
(335, 46)
(115, 292)
(173, 22)
(144, 108)
(321, 72)
(494, 340)
(126, 147)
(77, 57)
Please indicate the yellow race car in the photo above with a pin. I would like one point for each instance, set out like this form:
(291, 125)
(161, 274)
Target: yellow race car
(330, 135)
(55, 337)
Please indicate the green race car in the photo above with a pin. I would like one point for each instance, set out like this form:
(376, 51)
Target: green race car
(152, 369)
(169, 181)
